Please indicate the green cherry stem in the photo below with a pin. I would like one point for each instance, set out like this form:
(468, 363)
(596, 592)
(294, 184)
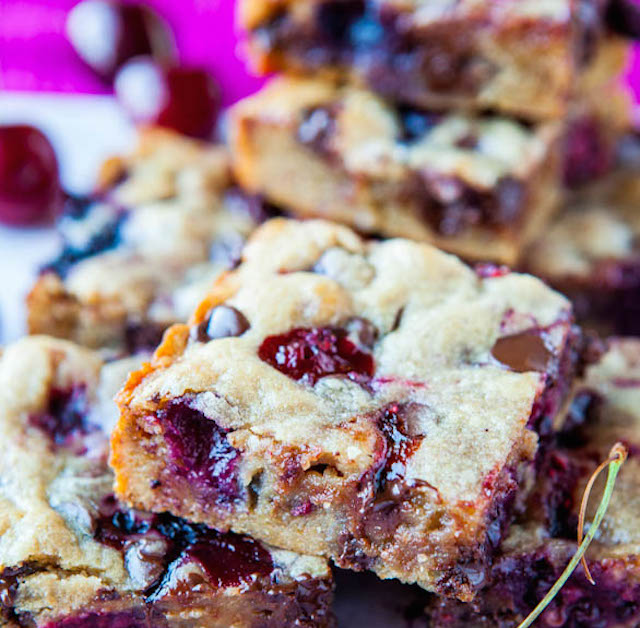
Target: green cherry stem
(617, 456)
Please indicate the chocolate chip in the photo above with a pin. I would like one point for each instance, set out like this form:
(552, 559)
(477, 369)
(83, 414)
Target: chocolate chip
(522, 352)
(222, 322)
(144, 559)
(363, 331)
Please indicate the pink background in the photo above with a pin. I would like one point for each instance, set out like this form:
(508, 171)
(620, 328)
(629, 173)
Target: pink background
(34, 54)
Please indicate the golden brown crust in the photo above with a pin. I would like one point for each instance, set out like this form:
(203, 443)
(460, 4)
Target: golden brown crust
(306, 453)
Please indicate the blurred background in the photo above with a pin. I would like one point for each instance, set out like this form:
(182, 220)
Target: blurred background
(73, 70)
(58, 71)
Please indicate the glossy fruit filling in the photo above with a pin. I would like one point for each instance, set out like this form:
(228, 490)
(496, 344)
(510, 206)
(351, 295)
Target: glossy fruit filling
(200, 452)
(66, 415)
(309, 353)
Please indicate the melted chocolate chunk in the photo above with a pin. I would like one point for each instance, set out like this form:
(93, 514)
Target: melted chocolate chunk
(156, 546)
(587, 154)
(522, 352)
(66, 415)
(222, 322)
(399, 445)
(9, 582)
(451, 206)
(308, 354)
(200, 452)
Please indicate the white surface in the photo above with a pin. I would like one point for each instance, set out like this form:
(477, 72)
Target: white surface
(84, 131)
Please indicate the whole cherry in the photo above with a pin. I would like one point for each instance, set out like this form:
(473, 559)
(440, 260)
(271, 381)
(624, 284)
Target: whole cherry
(107, 33)
(30, 189)
(182, 98)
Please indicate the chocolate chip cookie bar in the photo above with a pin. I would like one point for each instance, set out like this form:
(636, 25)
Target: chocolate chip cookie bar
(376, 402)
(139, 254)
(71, 555)
(605, 409)
(527, 58)
(591, 253)
(480, 187)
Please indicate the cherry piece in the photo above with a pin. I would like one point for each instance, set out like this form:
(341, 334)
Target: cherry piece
(522, 352)
(200, 451)
(66, 413)
(106, 34)
(30, 188)
(222, 322)
(180, 98)
(490, 271)
(307, 354)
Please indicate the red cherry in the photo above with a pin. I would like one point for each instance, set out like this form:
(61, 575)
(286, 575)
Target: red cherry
(29, 184)
(106, 34)
(180, 98)
(308, 354)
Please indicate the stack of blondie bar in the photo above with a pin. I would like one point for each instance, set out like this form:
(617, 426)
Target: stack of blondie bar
(300, 393)
(454, 122)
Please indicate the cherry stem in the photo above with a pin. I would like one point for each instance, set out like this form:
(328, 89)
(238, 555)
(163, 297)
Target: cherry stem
(617, 456)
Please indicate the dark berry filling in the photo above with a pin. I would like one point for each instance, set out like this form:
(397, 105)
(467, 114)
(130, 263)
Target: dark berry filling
(107, 237)
(65, 416)
(223, 321)
(308, 354)
(200, 452)
(587, 154)
(227, 559)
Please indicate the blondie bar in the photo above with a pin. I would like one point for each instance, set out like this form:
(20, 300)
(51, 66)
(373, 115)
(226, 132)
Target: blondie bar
(527, 58)
(374, 402)
(480, 187)
(71, 555)
(591, 253)
(605, 410)
(143, 250)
